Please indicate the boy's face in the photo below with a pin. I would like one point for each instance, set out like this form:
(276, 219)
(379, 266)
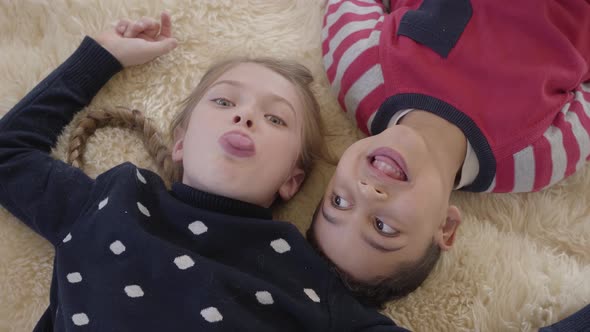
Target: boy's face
(384, 206)
(243, 138)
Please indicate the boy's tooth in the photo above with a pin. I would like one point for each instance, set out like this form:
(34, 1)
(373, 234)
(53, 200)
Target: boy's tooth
(383, 166)
(388, 169)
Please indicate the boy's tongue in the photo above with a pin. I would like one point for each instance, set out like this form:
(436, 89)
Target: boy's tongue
(388, 167)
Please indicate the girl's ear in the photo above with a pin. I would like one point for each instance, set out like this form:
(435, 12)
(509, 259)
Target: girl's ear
(291, 186)
(178, 148)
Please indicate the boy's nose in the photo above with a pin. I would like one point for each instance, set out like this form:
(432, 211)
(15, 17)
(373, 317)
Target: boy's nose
(243, 120)
(370, 191)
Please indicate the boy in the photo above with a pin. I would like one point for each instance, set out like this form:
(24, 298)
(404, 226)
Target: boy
(472, 95)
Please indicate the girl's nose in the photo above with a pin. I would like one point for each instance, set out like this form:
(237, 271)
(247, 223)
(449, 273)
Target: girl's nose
(238, 119)
(370, 191)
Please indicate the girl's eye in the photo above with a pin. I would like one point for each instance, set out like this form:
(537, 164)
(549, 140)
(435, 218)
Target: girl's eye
(275, 120)
(384, 228)
(223, 102)
(339, 202)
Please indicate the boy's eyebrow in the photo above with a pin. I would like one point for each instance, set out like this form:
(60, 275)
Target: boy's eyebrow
(271, 95)
(330, 219)
(377, 246)
(368, 240)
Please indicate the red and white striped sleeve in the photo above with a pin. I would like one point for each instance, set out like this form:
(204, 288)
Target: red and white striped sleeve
(563, 149)
(350, 47)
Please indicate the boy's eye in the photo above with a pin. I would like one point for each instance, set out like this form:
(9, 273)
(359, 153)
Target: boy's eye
(275, 120)
(339, 202)
(223, 102)
(384, 228)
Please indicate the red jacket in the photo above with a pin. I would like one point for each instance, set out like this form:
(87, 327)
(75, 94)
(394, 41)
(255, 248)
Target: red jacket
(509, 74)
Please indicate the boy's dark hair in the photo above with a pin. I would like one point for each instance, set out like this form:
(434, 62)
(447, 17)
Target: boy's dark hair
(402, 282)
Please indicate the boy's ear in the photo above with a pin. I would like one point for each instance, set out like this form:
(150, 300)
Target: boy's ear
(449, 227)
(291, 186)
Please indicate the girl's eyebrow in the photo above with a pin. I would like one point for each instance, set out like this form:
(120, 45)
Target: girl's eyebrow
(230, 82)
(271, 96)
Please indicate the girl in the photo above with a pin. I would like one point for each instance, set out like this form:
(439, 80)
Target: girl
(133, 256)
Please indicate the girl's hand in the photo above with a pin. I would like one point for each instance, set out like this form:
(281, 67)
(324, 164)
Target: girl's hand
(135, 43)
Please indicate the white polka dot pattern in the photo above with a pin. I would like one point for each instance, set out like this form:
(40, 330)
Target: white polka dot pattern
(80, 319)
(211, 315)
(312, 295)
(264, 297)
(67, 238)
(143, 209)
(140, 177)
(134, 291)
(197, 227)
(117, 247)
(103, 203)
(74, 277)
(184, 262)
(280, 246)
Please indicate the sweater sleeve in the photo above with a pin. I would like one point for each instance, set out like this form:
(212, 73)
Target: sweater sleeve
(348, 314)
(350, 48)
(383, 328)
(577, 322)
(44, 193)
(559, 152)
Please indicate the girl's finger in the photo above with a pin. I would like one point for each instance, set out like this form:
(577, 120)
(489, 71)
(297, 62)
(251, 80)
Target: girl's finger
(152, 28)
(146, 37)
(166, 22)
(134, 29)
(148, 22)
(121, 26)
(157, 28)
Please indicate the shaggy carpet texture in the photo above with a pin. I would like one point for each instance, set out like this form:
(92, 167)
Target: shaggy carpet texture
(520, 261)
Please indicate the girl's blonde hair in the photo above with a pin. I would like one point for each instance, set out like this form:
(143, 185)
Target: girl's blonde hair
(313, 147)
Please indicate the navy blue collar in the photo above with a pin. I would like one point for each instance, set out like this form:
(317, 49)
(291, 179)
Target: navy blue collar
(218, 203)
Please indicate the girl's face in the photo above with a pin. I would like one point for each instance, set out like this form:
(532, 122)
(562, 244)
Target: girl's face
(244, 137)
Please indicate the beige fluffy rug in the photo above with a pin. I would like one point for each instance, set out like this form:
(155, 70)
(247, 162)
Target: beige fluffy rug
(520, 261)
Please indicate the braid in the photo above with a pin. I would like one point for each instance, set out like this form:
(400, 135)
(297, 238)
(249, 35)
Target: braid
(123, 118)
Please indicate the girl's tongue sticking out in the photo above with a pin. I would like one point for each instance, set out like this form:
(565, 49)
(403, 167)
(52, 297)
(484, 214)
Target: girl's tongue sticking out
(237, 144)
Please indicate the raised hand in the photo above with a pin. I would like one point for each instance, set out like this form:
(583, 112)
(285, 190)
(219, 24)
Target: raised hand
(137, 42)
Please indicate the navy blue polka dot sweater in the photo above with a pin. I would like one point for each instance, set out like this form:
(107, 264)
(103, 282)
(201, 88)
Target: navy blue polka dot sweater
(131, 255)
